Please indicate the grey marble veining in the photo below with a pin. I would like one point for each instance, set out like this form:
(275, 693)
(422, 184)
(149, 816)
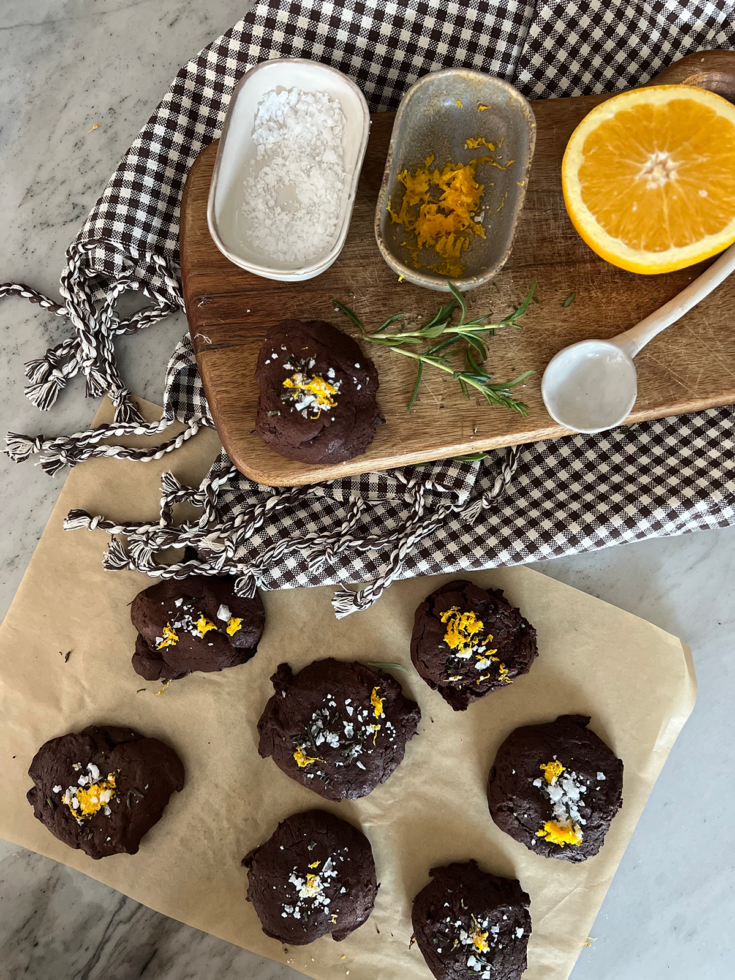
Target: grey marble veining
(66, 65)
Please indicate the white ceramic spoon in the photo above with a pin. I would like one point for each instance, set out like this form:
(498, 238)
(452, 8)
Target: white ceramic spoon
(592, 386)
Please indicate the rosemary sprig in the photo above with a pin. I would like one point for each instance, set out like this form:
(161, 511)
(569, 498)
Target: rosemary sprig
(472, 334)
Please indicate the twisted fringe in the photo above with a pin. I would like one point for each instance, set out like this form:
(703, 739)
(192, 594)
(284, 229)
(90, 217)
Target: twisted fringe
(345, 602)
(63, 451)
(221, 545)
(91, 349)
(33, 296)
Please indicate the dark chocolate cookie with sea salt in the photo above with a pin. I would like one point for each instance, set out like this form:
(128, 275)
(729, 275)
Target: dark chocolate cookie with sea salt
(337, 727)
(556, 788)
(316, 393)
(467, 642)
(197, 623)
(103, 789)
(469, 923)
(314, 876)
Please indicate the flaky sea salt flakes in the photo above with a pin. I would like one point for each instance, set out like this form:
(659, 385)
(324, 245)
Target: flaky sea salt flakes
(293, 192)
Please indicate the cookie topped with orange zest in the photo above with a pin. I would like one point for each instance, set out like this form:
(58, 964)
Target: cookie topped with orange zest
(556, 788)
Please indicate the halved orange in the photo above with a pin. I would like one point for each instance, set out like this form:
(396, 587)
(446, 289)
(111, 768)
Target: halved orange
(649, 178)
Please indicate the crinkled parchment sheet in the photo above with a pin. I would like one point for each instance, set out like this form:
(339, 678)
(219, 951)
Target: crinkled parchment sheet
(636, 682)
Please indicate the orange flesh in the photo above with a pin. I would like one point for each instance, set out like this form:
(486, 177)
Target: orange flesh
(660, 176)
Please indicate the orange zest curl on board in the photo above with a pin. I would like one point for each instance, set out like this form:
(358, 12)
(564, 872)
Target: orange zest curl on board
(444, 222)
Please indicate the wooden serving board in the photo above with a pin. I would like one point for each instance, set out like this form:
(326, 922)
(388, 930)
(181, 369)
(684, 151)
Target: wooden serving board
(688, 368)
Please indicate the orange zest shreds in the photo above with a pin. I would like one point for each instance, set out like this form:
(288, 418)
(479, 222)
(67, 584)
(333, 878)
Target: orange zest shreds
(474, 141)
(445, 222)
(334, 918)
(315, 864)
(302, 759)
(322, 390)
(482, 108)
(91, 798)
(377, 703)
(463, 629)
(503, 675)
(375, 729)
(312, 887)
(429, 160)
(233, 625)
(457, 102)
(552, 771)
(165, 685)
(204, 625)
(170, 637)
(479, 938)
(561, 834)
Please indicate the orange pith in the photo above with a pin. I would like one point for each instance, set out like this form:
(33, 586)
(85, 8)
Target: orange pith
(649, 178)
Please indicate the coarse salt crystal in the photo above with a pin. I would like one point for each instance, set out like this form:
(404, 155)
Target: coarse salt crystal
(292, 194)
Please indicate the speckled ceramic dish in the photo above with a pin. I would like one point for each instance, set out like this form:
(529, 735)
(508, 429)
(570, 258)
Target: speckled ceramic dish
(437, 116)
(236, 151)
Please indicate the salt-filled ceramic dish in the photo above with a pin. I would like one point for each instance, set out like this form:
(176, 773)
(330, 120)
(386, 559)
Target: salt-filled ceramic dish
(237, 151)
(435, 119)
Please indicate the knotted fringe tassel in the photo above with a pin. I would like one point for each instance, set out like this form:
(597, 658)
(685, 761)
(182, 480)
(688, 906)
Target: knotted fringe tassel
(345, 602)
(225, 547)
(63, 451)
(91, 349)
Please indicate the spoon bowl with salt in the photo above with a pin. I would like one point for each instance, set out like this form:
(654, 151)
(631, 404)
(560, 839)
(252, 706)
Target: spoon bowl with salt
(592, 386)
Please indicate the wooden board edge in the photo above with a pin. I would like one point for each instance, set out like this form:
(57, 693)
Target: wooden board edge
(717, 76)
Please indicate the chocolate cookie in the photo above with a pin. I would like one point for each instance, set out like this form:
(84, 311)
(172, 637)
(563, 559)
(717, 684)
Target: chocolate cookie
(556, 788)
(316, 393)
(468, 642)
(338, 728)
(197, 623)
(469, 923)
(102, 790)
(314, 876)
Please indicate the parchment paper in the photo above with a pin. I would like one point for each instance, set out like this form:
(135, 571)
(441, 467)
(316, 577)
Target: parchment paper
(636, 682)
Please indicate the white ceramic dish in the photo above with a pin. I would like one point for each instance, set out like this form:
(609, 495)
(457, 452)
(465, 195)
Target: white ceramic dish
(236, 150)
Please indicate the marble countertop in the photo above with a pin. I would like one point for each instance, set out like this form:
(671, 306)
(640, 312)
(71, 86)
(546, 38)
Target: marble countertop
(65, 66)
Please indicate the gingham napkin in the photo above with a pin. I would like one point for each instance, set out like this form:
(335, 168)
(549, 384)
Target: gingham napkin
(575, 494)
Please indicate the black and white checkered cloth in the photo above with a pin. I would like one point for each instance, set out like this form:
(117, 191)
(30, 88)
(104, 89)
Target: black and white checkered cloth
(571, 495)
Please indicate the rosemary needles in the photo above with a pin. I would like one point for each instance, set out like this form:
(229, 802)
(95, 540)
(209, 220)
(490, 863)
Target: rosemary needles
(466, 337)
